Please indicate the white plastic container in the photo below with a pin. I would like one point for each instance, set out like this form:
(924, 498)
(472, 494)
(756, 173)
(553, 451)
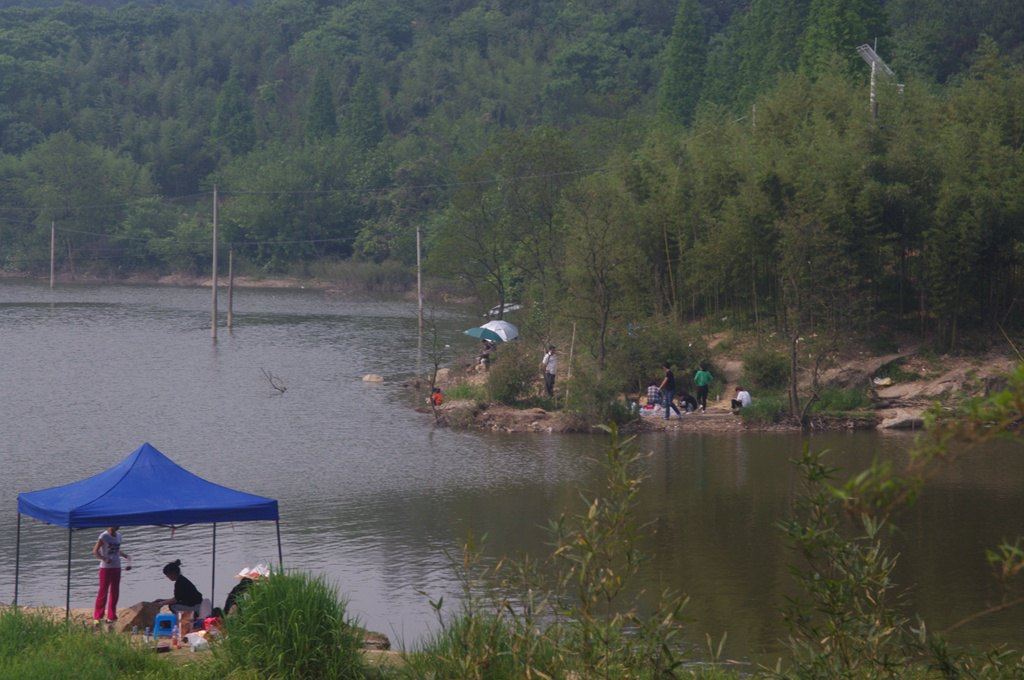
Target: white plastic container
(197, 641)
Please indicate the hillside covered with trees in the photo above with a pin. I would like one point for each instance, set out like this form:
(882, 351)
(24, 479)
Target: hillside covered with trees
(609, 161)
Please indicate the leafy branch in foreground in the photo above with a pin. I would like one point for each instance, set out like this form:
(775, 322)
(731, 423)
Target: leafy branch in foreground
(568, 615)
(849, 621)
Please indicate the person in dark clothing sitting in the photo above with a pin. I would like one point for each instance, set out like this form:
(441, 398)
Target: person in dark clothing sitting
(187, 597)
(236, 593)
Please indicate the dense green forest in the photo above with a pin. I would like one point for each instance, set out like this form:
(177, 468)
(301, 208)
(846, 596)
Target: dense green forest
(607, 160)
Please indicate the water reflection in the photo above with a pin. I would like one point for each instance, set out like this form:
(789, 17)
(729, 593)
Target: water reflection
(373, 496)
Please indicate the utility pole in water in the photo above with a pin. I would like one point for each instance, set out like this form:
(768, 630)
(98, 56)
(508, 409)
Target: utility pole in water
(231, 287)
(419, 279)
(213, 283)
(53, 249)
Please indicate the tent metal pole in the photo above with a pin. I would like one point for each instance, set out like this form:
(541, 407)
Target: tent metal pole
(67, 596)
(280, 555)
(17, 559)
(213, 569)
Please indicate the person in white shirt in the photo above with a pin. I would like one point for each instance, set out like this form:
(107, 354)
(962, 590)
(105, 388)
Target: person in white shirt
(108, 551)
(549, 364)
(741, 400)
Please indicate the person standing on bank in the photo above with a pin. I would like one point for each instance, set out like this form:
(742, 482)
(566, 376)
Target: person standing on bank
(549, 364)
(702, 378)
(108, 551)
(187, 597)
(668, 392)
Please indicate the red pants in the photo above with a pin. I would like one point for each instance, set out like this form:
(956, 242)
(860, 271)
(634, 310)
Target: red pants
(110, 581)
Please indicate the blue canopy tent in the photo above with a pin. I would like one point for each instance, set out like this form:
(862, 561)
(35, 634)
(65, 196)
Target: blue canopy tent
(146, 488)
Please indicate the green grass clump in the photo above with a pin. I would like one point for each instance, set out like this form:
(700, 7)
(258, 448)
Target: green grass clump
(474, 645)
(765, 410)
(292, 627)
(835, 400)
(35, 647)
(466, 391)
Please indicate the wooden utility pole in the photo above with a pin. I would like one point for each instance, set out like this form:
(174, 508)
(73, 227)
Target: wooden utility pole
(53, 250)
(231, 287)
(213, 282)
(419, 279)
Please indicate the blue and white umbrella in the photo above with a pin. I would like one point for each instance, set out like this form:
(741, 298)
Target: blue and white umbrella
(496, 331)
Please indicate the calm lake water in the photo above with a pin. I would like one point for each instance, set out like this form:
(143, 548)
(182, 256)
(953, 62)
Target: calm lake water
(374, 497)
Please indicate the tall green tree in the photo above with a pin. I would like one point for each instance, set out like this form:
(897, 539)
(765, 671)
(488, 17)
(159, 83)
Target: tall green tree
(364, 122)
(321, 120)
(772, 30)
(232, 117)
(685, 57)
(605, 270)
(836, 28)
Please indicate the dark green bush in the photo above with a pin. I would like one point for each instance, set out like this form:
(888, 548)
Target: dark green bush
(596, 398)
(765, 370)
(513, 373)
(294, 627)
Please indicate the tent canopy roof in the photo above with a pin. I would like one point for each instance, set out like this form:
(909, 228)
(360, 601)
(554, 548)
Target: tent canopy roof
(147, 487)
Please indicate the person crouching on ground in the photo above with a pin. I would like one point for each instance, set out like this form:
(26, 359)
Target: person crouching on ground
(653, 394)
(687, 400)
(108, 551)
(484, 358)
(741, 400)
(436, 396)
(187, 597)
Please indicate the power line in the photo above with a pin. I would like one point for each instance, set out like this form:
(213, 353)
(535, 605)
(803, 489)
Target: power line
(205, 242)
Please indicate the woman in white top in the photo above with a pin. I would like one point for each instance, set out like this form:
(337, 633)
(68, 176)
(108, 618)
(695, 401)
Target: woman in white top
(108, 551)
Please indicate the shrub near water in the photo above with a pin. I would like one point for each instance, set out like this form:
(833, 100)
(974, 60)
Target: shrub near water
(513, 373)
(765, 410)
(292, 626)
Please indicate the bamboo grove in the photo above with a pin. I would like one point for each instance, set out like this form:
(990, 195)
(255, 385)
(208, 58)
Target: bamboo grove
(609, 161)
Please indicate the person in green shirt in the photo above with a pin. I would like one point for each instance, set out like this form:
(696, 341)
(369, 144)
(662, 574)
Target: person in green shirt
(702, 378)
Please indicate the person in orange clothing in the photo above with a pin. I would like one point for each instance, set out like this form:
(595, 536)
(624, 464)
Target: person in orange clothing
(436, 397)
